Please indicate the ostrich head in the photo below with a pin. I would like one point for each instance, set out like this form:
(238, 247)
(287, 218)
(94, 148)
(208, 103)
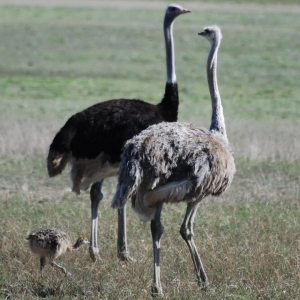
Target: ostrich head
(211, 33)
(174, 10)
(82, 240)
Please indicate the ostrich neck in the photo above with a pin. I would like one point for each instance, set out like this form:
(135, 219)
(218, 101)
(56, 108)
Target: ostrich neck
(76, 246)
(217, 119)
(170, 102)
(170, 57)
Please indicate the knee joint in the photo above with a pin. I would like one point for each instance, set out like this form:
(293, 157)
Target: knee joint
(185, 233)
(156, 229)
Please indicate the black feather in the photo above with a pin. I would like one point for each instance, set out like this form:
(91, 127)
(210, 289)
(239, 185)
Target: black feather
(106, 126)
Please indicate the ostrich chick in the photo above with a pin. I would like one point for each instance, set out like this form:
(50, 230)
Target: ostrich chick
(51, 242)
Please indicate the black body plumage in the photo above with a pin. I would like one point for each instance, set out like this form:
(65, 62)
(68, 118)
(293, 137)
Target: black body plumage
(105, 127)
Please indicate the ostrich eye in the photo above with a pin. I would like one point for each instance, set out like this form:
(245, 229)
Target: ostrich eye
(206, 30)
(172, 9)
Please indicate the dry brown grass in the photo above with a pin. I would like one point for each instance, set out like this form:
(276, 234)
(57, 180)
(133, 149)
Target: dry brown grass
(248, 239)
(249, 248)
(259, 141)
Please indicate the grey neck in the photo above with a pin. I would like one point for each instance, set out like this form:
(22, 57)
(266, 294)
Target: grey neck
(217, 119)
(77, 245)
(170, 55)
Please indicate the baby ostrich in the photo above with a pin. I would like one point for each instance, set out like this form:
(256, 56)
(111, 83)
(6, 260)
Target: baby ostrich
(51, 242)
(175, 162)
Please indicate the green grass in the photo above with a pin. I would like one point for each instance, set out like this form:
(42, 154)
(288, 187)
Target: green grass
(76, 53)
(56, 61)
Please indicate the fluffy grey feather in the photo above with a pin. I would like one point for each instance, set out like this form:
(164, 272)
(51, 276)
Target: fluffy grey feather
(173, 162)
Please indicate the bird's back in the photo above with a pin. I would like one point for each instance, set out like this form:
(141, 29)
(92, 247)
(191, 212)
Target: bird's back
(48, 242)
(102, 129)
(175, 153)
(106, 126)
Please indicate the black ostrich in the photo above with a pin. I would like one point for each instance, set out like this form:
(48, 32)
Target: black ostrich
(92, 139)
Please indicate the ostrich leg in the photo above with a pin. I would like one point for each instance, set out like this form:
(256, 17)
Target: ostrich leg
(54, 264)
(42, 264)
(157, 230)
(187, 233)
(96, 196)
(123, 252)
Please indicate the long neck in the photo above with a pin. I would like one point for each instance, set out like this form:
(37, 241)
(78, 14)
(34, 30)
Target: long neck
(217, 118)
(170, 102)
(170, 55)
(77, 245)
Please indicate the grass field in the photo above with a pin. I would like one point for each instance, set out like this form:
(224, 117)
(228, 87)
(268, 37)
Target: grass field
(59, 57)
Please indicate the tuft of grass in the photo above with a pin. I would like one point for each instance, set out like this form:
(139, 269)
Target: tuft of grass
(247, 239)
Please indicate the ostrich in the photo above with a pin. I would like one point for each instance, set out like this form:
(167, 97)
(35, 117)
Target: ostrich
(175, 162)
(92, 140)
(51, 242)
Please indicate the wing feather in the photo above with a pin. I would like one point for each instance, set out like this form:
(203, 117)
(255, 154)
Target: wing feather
(172, 192)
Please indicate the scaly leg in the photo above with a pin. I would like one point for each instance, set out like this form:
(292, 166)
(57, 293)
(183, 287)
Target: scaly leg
(123, 252)
(187, 233)
(157, 230)
(54, 264)
(42, 264)
(96, 196)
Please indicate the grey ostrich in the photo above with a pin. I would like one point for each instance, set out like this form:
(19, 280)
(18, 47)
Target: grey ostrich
(175, 162)
(92, 140)
(51, 242)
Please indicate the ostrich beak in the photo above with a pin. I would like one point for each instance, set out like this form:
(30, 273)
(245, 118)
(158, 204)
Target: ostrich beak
(184, 11)
(201, 33)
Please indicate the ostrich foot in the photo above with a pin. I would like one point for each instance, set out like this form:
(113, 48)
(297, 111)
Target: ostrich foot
(124, 256)
(94, 254)
(203, 285)
(156, 291)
